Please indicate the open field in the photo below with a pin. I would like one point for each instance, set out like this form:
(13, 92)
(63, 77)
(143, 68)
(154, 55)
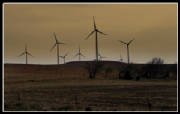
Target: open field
(68, 88)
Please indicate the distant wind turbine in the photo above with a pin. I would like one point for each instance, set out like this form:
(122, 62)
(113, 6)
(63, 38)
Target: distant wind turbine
(96, 39)
(56, 44)
(79, 54)
(64, 57)
(101, 57)
(121, 59)
(26, 53)
(127, 44)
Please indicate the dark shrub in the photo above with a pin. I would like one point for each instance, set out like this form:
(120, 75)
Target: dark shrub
(127, 75)
(137, 78)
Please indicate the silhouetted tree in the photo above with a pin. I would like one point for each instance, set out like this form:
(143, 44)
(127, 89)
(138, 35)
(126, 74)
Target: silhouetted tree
(107, 71)
(152, 68)
(93, 68)
(156, 60)
(127, 75)
(127, 72)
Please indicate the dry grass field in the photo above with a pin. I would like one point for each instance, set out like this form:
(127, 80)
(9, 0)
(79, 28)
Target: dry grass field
(68, 88)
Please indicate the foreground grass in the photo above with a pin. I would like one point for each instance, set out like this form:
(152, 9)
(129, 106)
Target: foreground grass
(95, 95)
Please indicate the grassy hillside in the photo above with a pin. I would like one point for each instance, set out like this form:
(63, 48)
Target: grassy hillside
(67, 87)
(78, 70)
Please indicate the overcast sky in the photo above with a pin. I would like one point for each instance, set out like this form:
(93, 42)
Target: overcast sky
(154, 27)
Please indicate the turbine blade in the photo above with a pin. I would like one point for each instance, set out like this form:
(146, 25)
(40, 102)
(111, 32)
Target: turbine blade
(122, 42)
(76, 55)
(101, 32)
(53, 47)
(60, 43)
(79, 48)
(29, 54)
(61, 56)
(55, 37)
(21, 54)
(82, 54)
(26, 47)
(94, 23)
(130, 41)
(66, 54)
(89, 35)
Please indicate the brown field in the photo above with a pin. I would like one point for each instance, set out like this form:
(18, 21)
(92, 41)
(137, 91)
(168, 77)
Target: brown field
(68, 88)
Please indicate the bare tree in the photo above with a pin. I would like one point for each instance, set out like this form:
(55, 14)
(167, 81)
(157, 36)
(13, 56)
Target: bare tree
(156, 60)
(93, 68)
(151, 69)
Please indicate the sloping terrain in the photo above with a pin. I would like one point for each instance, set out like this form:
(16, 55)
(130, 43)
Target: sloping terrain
(67, 87)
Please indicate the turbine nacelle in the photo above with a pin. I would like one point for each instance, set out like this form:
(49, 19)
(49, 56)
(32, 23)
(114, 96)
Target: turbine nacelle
(79, 53)
(127, 43)
(25, 52)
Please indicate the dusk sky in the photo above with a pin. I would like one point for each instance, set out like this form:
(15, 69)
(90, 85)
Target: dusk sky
(153, 26)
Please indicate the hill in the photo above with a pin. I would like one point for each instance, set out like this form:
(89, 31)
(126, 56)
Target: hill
(77, 70)
(67, 87)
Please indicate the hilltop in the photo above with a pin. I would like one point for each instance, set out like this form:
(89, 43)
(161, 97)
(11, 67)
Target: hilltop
(77, 70)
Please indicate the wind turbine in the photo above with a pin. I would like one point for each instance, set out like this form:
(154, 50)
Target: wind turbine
(101, 57)
(127, 44)
(26, 53)
(79, 54)
(96, 39)
(56, 44)
(64, 57)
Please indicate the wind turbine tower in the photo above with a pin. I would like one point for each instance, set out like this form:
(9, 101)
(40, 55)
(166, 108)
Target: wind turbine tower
(121, 59)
